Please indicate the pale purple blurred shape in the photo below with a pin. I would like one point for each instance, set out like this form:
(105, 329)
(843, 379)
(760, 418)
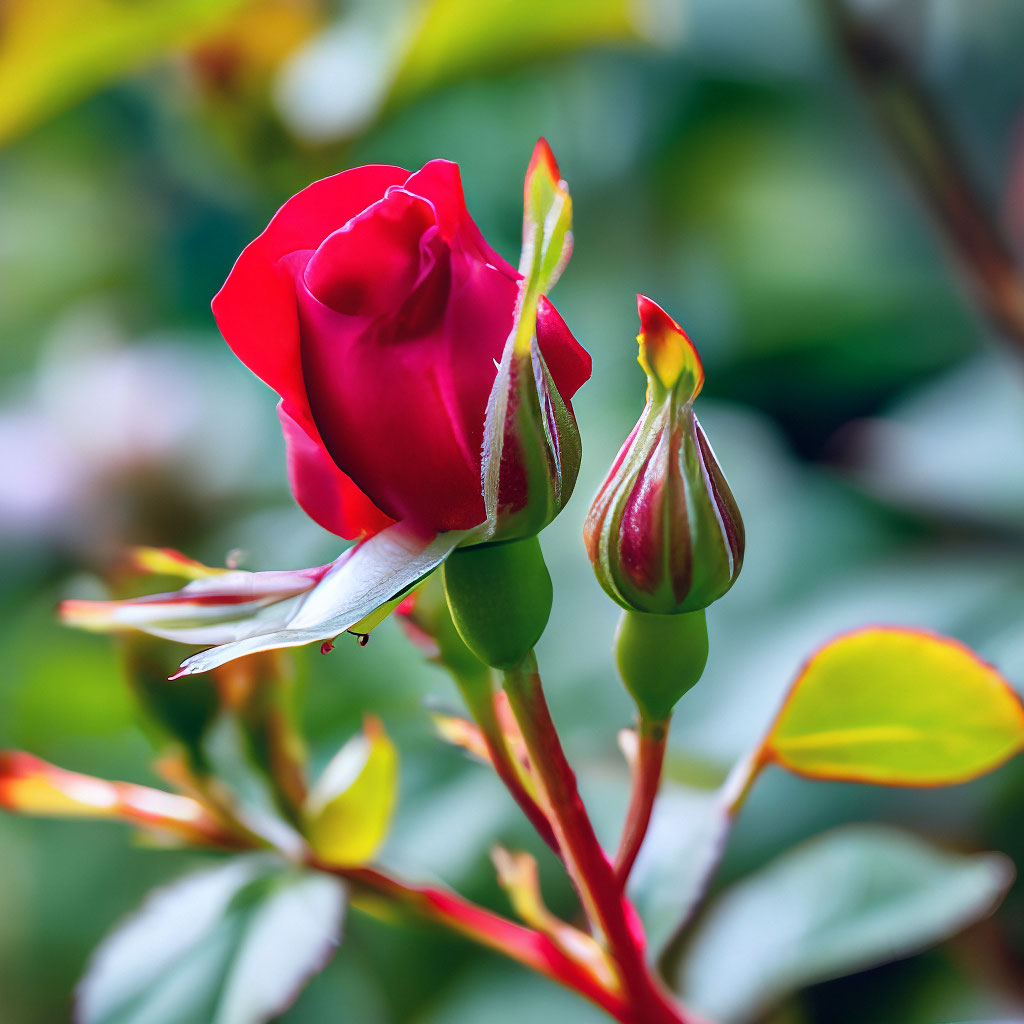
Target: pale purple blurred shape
(100, 414)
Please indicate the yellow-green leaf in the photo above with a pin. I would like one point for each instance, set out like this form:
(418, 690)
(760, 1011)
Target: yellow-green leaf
(457, 38)
(898, 707)
(349, 809)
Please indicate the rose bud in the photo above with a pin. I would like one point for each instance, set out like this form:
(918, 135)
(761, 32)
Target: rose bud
(425, 399)
(375, 308)
(664, 534)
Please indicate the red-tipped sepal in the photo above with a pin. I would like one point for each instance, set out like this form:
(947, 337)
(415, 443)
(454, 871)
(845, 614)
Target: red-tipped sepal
(532, 449)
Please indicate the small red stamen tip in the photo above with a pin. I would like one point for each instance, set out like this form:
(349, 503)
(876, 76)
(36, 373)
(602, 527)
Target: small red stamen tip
(326, 647)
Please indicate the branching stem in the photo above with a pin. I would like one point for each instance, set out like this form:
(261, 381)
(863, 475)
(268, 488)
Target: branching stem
(588, 866)
(478, 695)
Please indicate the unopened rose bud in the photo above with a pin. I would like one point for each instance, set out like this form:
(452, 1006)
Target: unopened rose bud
(664, 533)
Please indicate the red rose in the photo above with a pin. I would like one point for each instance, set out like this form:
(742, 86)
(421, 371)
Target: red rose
(375, 308)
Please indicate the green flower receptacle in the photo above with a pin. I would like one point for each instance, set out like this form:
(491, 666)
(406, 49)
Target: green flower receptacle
(660, 657)
(500, 599)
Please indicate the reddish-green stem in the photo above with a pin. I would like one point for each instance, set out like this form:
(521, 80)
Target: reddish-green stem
(652, 737)
(528, 947)
(588, 866)
(479, 697)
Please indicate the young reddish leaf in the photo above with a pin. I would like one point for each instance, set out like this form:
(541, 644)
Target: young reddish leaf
(519, 877)
(249, 612)
(462, 733)
(349, 596)
(32, 786)
(898, 707)
(349, 810)
(210, 609)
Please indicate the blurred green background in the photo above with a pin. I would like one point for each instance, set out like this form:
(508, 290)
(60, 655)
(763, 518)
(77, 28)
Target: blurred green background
(721, 160)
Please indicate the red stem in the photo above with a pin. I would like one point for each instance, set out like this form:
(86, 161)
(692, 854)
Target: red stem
(650, 757)
(588, 866)
(530, 948)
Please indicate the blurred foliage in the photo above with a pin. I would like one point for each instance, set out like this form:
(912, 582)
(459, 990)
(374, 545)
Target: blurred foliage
(53, 53)
(203, 945)
(858, 895)
(459, 38)
(868, 424)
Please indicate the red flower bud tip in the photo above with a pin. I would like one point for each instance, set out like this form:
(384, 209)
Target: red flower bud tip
(666, 352)
(542, 162)
(664, 533)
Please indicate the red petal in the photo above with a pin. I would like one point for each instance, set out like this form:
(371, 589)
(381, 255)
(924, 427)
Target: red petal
(401, 410)
(255, 309)
(370, 266)
(326, 205)
(440, 182)
(568, 361)
(322, 490)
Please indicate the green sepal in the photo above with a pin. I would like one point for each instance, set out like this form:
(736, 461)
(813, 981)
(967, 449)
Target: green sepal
(528, 424)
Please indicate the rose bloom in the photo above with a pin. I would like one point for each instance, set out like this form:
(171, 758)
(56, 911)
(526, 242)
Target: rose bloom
(375, 308)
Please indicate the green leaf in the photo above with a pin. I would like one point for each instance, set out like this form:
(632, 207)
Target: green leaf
(349, 810)
(897, 707)
(52, 54)
(851, 899)
(228, 945)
